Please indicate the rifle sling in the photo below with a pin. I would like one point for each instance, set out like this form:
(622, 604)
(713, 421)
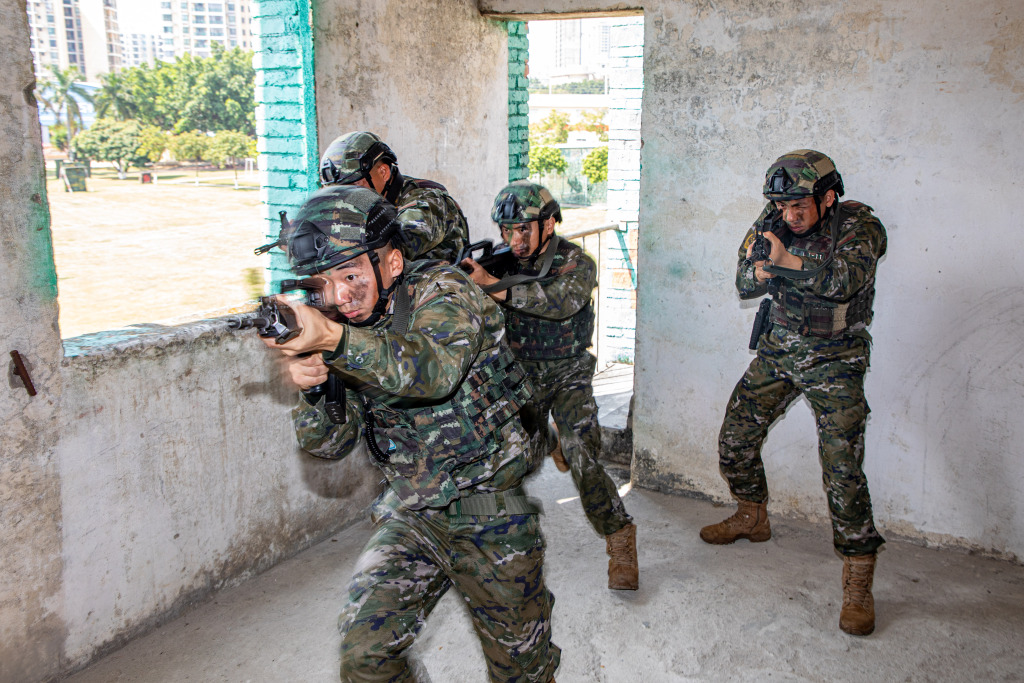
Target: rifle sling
(519, 278)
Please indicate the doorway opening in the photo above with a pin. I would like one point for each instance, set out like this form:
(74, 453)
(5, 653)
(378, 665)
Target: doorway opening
(585, 92)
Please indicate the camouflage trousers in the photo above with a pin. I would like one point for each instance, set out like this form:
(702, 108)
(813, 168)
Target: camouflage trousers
(414, 557)
(563, 389)
(830, 373)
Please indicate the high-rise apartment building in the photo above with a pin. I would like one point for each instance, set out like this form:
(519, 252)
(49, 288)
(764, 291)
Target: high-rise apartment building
(139, 48)
(193, 27)
(81, 33)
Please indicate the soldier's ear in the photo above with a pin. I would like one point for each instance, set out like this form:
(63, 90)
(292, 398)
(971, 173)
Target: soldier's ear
(395, 262)
(549, 227)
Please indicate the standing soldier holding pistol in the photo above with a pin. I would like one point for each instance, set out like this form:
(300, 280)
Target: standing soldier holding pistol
(820, 271)
(549, 320)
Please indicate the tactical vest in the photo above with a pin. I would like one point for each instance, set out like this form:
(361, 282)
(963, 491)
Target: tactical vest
(533, 338)
(800, 311)
(424, 444)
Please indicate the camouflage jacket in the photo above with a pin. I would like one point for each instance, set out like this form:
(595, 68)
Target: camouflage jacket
(443, 395)
(551, 318)
(849, 277)
(433, 225)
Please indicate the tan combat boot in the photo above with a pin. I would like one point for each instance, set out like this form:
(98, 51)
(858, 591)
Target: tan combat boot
(556, 454)
(750, 522)
(858, 615)
(623, 569)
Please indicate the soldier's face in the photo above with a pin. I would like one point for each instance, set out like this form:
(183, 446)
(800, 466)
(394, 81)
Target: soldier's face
(352, 286)
(802, 214)
(379, 174)
(524, 238)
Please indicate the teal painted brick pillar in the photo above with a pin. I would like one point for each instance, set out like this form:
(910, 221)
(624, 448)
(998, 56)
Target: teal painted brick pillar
(518, 102)
(285, 113)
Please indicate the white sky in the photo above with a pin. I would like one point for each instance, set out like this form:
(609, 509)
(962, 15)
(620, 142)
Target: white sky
(542, 47)
(138, 16)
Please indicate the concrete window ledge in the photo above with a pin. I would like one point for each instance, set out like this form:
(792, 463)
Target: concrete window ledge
(144, 337)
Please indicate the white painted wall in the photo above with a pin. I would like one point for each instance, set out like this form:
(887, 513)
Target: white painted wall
(154, 467)
(431, 78)
(919, 103)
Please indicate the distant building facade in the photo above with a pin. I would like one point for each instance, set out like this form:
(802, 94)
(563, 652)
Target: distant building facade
(193, 27)
(139, 48)
(79, 33)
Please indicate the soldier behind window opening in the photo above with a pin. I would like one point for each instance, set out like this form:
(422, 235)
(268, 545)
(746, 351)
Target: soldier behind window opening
(549, 320)
(433, 225)
(820, 273)
(435, 394)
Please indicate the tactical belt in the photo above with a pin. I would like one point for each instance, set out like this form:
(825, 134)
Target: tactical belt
(499, 504)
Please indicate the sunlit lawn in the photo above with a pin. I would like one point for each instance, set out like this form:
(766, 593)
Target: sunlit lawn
(167, 252)
(132, 253)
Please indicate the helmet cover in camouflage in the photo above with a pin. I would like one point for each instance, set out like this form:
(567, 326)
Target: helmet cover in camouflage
(350, 157)
(799, 174)
(523, 202)
(336, 224)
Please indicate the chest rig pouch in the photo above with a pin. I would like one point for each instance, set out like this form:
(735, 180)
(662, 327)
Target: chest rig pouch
(801, 311)
(533, 338)
(424, 444)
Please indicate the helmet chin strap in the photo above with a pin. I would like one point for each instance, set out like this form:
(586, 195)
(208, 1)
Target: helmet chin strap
(824, 213)
(542, 243)
(393, 186)
(383, 293)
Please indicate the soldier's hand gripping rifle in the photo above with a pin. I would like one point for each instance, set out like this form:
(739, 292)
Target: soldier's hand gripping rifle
(761, 250)
(276, 319)
(498, 261)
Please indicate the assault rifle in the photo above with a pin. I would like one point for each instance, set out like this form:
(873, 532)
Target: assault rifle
(498, 261)
(762, 248)
(276, 319)
(761, 251)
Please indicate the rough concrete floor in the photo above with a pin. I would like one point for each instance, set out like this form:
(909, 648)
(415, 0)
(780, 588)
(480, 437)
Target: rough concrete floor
(764, 611)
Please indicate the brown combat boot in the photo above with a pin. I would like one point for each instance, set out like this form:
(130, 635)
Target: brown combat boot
(750, 522)
(623, 569)
(556, 454)
(858, 615)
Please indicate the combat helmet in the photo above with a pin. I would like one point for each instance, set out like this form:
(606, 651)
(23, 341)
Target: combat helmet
(523, 202)
(337, 224)
(350, 157)
(799, 174)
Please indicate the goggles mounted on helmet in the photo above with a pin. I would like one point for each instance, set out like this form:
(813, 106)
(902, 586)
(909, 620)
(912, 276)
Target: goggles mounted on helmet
(332, 174)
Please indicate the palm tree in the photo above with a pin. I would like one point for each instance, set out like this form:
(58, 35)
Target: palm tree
(64, 92)
(114, 99)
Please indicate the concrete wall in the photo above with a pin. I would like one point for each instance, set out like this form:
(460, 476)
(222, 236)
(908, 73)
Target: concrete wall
(31, 624)
(431, 79)
(919, 104)
(151, 467)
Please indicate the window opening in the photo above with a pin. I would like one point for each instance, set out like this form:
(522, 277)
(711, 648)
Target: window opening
(170, 201)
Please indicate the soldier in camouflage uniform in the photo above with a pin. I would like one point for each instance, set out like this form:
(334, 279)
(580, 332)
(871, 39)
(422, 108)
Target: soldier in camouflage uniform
(434, 392)
(820, 273)
(550, 321)
(433, 225)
